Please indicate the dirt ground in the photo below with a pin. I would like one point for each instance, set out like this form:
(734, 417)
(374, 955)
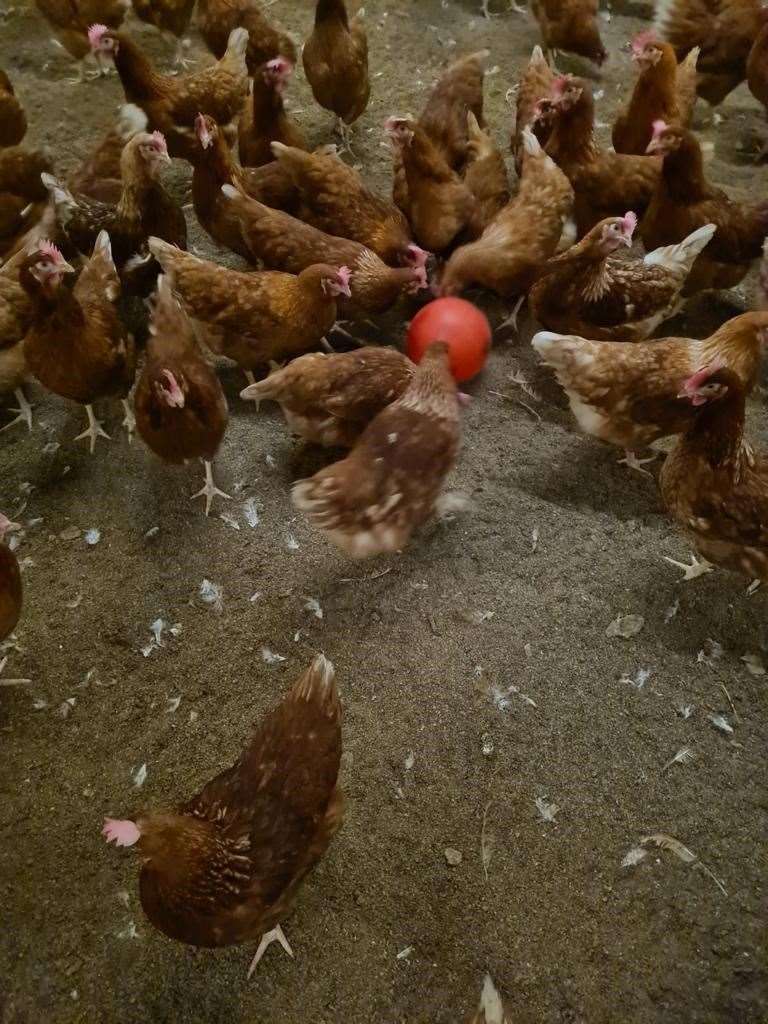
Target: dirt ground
(475, 671)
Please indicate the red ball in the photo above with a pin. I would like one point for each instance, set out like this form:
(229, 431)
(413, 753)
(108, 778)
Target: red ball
(463, 327)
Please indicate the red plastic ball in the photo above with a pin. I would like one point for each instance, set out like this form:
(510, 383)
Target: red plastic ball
(463, 327)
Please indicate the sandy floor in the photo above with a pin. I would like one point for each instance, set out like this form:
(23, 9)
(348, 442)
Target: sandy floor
(447, 722)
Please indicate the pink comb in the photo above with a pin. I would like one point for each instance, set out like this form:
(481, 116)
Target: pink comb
(122, 833)
(629, 221)
(693, 383)
(46, 248)
(420, 278)
(159, 138)
(96, 33)
(344, 276)
(559, 85)
(417, 256)
(659, 127)
(641, 40)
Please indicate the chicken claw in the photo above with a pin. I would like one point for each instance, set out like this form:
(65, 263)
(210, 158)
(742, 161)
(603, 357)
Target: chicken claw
(631, 461)
(694, 570)
(209, 489)
(511, 320)
(94, 429)
(276, 935)
(344, 131)
(24, 410)
(129, 420)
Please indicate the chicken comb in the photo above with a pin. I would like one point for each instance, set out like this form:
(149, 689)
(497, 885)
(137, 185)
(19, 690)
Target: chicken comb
(96, 33)
(47, 248)
(344, 276)
(159, 139)
(560, 84)
(280, 64)
(629, 220)
(659, 127)
(692, 384)
(123, 833)
(642, 39)
(417, 256)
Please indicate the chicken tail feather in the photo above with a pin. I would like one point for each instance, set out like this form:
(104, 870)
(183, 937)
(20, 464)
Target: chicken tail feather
(318, 684)
(679, 259)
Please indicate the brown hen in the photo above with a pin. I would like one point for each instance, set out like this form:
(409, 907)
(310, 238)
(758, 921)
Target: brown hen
(13, 120)
(70, 19)
(372, 501)
(535, 86)
(571, 26)
(485, 175)
(457, 93)
(217, 18)
(100, 175)
(224, 868)
(181, 412)
(10, 581)
(16, 316)
(171, 16)
(713, 483)
(331, 399)
(264, 120)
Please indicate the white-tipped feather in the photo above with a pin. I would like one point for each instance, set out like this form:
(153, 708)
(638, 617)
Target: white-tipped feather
(680, 258)
(230, 192)
(530, 143)
(664, 11)
(130, 121)
(491, 1006)
(237, 44)
(537, 56)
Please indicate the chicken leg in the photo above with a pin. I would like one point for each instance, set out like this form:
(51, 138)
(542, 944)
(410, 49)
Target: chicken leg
(209, 490)
(276, 935)
(24, 410)
(94, 429)
(631, 461)
(129, 420)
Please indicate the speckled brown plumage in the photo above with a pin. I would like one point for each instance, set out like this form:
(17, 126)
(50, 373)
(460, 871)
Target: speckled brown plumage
(217, 18)
(521, 237)
(685, 200)
(627, 394)
(172, 103)
(570, 25)
(264, 121)
(335, 61)
(373, 500)
(457, 92)
(16, 315)
(716, 487)
(252, 317)
(338, 202)
(167, 15)
(589, 291)
(664, 91)
(77, 346)
(10, 591)
(196, 429)
(535, 85)
(606, 184)
(331, 399)
(226, 866)
(285, 243)
(100, 175)
(485, 175)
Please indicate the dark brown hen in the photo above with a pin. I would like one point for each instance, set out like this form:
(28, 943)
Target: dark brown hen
(225, 867)
(10, 582)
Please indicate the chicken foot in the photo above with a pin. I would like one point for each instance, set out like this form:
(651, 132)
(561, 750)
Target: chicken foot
(631, 461)
(276, 935)
(24, 411)
(180, 59)
(209, 490)
(344, 131)
(694, 570)
(129, 420)
(94, 429)
(511, 320)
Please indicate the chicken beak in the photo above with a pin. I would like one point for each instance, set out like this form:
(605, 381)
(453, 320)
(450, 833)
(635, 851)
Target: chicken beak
(65, 268)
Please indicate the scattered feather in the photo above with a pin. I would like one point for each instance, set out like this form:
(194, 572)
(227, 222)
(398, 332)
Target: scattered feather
(129, 932)
(721, 722)
(255, 596)
(487, 742)
(534, 540)
(139, 776)
(453, 857)
(229, 520)
(92, 536)
(251, 513)
(151, 532)
(683, 756)
(754, 663)
(452, 503)
(625, 626)
(487, 841)
(75, 602)
(173, 705)
(710, 653)
(476, 618)
(156, 629)
(176, 629)
(39, 704)
(545, 809)
(65, 708)
(291, 543)
(51, 448)
(640, 679)
(270, 461)
(753, 587)
(410, 761)
(71, 533)
(212, 594)
(311, 604)
(270, 657)
(633, 856)
(685, 710)
(665, 842)
(124, 897)
(405, 953)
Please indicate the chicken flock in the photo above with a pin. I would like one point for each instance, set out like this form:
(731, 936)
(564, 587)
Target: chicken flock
(100, 298)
